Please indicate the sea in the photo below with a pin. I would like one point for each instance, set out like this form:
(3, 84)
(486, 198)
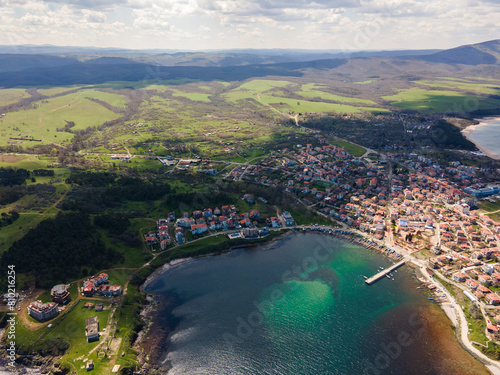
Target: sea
(301, 306)
(488, 135)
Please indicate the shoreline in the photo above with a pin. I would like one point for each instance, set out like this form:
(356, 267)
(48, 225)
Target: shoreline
(482, 123)
(161, 364)
(152, 341)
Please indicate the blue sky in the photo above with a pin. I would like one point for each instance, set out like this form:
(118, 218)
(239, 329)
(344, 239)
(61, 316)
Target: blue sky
(220, 24)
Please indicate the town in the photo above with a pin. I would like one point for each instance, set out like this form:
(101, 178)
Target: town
(406, 203)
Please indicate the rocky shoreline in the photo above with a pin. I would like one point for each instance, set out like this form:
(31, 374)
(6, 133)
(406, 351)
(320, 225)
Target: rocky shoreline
(152, 340)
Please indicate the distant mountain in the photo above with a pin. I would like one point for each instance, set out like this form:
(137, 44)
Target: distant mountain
(474, 54)
(110, 60)
(16, 63)
(93, 68)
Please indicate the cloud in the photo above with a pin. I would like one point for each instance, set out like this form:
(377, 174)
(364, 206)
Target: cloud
(154, 17)
(90, 4)
(93, 16)
(379, 24)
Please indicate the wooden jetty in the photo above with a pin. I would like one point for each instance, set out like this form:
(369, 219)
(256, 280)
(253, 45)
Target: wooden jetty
(382, 273)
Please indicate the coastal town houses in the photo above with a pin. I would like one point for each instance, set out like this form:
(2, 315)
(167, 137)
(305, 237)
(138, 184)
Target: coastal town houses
(92, 329)
(60, 294)
(95, 286)
(492, 299)
(43, 311)
(199, 228)
(287, 217)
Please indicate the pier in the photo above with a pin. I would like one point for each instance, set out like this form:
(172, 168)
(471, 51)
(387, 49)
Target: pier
(382, 273)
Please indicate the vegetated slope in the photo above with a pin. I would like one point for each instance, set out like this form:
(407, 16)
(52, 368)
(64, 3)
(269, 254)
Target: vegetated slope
(99, 73)
(476, 54)
(57, 249)
(35, 70)
(17, 63)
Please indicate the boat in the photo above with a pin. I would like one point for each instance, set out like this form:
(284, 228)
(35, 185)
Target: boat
(387, 276)
(391, 275)
(364, 277)
(430, 299)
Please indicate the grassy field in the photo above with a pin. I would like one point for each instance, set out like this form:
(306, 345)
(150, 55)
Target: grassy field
(313, 90)
(431, 101)
(302, 216)
(494, 208)
(41, 122)
(295, 105)
(196, 96)
(269, 93)
(9, 96)
(473, 87)
(49, 91)
(115, 100)
(489, 206)
(353, 149)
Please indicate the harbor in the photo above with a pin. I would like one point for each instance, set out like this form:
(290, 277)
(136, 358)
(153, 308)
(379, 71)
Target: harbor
(384, 273)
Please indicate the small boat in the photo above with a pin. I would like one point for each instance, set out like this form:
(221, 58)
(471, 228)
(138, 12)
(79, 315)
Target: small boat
(393, 279)
(430, 299)
(364, 277)
(391, 275)
(387, 276)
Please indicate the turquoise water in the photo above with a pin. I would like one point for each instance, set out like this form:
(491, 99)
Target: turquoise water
(488, 136)
(298, 306)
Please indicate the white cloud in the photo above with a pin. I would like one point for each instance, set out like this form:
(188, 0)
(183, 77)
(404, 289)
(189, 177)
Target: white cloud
(269, 23)
(93, 16)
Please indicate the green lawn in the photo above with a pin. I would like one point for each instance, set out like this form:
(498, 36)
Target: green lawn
(353, 149)
(488, 206)
(303, 216)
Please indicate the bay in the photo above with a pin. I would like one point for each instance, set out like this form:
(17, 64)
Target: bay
(300, 306)
(486, 136)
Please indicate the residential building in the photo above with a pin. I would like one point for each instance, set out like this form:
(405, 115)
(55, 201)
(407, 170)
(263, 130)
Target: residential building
(287, 217)
(60, 293)
(92, 329)
(492, 299)
(43, 311)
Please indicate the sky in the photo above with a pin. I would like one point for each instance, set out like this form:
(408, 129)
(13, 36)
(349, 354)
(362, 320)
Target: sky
(258, 24)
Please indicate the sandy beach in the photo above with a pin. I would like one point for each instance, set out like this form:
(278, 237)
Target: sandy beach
(482, 123)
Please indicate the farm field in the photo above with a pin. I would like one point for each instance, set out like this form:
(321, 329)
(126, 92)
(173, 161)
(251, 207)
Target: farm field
(469, 86)
(43, 121)
(313, 90)
(432, 101)
(215, 119)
